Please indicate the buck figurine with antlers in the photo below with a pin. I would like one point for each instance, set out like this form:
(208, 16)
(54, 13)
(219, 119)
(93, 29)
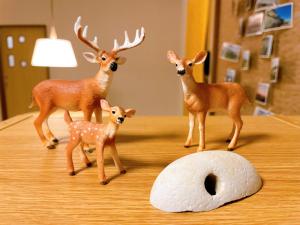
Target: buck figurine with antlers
(80, 95)
(200, 98)
(99, 134)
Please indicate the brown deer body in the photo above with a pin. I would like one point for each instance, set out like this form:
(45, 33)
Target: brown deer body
(80, 95)
(200, 98)
(84, 132)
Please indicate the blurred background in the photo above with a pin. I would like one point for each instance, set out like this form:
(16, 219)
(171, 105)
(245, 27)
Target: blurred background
(147, 81)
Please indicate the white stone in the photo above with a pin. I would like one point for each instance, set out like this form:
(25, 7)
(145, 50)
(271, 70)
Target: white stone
(181, 185)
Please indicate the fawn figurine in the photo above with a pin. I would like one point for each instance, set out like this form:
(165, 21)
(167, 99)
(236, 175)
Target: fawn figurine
(199, 98)
(80, 95)
(85, 132)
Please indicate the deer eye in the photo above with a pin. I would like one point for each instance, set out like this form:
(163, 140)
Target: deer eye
(124, 115)
(103, 58)
(176, 64)
(113, 112)
(190, 64)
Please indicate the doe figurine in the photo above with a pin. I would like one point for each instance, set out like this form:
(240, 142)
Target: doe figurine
(199, 98)
(85, 132)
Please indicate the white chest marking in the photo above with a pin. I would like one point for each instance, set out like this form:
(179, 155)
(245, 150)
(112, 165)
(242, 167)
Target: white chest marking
(110, 132)
(184, 87)
(104, 81)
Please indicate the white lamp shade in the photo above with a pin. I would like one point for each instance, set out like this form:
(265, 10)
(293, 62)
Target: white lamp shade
(53, 53)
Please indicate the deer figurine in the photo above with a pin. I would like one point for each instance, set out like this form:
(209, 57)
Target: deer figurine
(199, 98)
(80, 95)
(85, 132)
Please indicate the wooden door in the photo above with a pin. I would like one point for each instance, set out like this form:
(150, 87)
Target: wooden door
(16, 73)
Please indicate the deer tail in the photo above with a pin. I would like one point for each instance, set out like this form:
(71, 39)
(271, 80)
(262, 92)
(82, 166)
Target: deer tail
(32, 104)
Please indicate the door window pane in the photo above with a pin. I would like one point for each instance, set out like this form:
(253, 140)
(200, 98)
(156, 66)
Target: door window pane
(11, 60)
(22, 39)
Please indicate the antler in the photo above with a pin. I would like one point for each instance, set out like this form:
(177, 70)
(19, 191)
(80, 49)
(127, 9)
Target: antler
(81, 33)
(139, 38)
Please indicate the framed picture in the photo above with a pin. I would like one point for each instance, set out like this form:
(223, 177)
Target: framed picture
(262, 93)
(259, 111)
(265, 4)
(279, 17)
(230, 75)
(230, 52)
(246, 60)
(254, 24)
(274, 70)
(266, 46)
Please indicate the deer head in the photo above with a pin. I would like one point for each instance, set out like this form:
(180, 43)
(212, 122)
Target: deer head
(185, 65)
(117, 114)
(108, 60)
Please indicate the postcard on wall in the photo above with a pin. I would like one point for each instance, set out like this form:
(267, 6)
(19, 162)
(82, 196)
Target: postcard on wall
(254, 24)
(274, 70)
(265, 4)
(262, 93)
(259, 111)
(279, 17)
(230, 52)
(266, 46)
(246, 60)
(230, 75)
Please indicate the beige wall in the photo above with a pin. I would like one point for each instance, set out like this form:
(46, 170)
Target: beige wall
(147, 81)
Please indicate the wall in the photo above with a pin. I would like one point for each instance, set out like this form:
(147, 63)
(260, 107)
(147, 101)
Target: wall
(147, 81)
(285, 95)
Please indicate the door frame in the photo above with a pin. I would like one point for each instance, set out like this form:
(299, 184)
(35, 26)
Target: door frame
(2, 86)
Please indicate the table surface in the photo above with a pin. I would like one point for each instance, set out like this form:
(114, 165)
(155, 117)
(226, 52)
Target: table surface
(35, 187)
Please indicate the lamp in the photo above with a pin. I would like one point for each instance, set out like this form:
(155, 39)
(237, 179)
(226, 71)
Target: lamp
(53, 52)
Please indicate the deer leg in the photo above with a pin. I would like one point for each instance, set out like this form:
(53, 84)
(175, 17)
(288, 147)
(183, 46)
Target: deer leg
(116, 158)
(87, 116)
(201, 120)
(49, 133)
(98, 114)
(83, 156)
(100, 163)
(231, 134)
(38, 123)
(191, 130)
(69, 155)
(238, 126)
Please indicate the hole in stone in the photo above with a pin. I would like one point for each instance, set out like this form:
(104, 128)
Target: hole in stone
(210, 184)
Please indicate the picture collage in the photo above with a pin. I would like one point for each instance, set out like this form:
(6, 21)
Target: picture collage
(265, 18)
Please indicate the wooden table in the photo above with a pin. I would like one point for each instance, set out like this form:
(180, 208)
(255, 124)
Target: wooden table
(35, 187)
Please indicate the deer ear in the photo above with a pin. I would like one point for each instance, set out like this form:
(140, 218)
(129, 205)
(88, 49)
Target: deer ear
(200, 57)
(104, 105)
(172, 57)
(121, 60)
(130, 112)
(90, 57)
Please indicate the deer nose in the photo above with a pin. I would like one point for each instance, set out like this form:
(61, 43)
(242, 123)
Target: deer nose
(181, 72)
(113, 66)
(121, 119)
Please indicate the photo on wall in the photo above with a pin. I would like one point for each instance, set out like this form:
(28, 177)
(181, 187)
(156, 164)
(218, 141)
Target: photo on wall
(266, 46)
(254, 24)
(279, 17)
(230, 75)
(259, 111)
(262, 93)
(265, 4)
(274, 70)
(246, 60)
(230, 52)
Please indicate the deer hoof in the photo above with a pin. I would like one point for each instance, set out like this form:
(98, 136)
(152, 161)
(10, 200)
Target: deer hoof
(51, 146)
(89, 164)
(200, 149)
(230, 149)
(105, 182)
(55, 141)
(123, 171)
(72, 173)
(228, 140)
